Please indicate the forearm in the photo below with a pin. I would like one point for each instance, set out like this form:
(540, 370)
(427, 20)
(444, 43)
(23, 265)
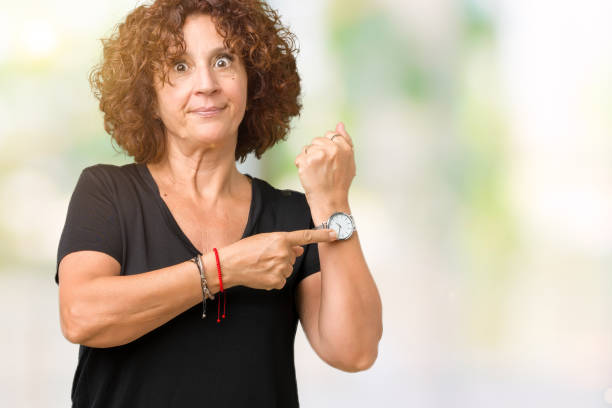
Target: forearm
(350, 314)
(115, 310)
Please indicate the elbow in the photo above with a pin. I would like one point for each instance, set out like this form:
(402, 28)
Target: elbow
(357, 362)
(71, 332)
(85, 329)
(365, 361)
(354, 356)
(74, 325)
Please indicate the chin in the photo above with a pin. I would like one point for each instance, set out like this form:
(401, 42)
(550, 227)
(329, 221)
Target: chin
(211, 134)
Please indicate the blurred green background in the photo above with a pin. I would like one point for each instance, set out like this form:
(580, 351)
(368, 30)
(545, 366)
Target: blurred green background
(483, 191)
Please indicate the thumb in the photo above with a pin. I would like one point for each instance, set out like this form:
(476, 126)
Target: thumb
(342, 130)
(298, 250)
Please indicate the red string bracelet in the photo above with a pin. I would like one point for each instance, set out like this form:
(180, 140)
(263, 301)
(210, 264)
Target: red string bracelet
(220, 288)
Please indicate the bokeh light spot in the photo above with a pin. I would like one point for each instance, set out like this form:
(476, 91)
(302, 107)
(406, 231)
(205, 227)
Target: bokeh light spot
(39, 38)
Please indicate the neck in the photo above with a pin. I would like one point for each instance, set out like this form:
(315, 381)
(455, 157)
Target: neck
(206, 174)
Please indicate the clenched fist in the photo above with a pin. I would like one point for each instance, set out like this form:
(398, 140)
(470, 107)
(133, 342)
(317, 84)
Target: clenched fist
(326, 167)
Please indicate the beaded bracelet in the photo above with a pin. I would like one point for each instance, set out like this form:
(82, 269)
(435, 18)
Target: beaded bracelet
(205, 292)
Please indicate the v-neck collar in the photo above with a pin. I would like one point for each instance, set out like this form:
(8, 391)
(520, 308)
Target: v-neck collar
(171, 221)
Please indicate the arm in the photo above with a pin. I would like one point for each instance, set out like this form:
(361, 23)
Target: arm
(99, 308)
(340, 308)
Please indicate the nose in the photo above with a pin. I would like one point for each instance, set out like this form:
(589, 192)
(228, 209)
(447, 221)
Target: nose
(205, 81)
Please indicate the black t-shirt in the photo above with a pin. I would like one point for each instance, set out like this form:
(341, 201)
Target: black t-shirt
(246, 360)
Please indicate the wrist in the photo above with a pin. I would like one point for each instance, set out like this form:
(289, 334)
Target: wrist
(321, 211)
(212, 276)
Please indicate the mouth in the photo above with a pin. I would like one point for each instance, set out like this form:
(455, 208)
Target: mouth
(206, 112)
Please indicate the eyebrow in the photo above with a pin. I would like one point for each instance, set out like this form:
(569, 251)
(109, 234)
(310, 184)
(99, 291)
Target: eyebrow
(215, 51)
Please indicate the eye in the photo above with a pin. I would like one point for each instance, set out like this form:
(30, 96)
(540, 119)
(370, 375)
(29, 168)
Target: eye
(181, 67)
(223, 61)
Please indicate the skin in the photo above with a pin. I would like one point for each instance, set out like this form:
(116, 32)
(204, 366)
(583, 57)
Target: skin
(339, 308)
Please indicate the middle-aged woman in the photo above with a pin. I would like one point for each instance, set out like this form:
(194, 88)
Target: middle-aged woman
(187, 88)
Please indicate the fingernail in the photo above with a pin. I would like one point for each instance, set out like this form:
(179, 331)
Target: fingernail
(333, 235)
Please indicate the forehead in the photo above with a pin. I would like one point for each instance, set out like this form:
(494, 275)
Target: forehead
(200, 33)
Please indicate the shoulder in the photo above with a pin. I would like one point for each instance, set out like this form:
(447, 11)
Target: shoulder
(110, 170)
(283, 209)
(283, 197)
(109, 176)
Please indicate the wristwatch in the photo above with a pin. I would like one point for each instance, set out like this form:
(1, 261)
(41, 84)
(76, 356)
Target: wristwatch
(342, 223)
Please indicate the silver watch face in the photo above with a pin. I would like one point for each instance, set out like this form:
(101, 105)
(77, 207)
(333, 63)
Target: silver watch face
(342, 224)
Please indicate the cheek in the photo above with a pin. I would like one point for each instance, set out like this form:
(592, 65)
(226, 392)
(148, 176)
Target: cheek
(241, 96)
(168, 102)
(162, 101)
(239, 86)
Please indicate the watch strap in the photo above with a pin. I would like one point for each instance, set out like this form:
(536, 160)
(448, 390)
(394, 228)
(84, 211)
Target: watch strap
(322, 226)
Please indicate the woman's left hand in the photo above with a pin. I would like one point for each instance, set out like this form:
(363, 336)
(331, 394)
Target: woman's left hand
(326, 168)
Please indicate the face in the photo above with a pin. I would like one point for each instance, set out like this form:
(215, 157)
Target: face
(205, 100)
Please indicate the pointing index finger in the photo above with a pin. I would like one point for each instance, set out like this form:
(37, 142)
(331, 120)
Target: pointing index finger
(309, 236)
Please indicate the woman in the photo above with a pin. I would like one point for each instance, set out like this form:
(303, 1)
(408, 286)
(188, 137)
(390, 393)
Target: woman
(188, 87)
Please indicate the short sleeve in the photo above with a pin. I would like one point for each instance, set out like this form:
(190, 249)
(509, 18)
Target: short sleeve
(92, 223)
(310, 263)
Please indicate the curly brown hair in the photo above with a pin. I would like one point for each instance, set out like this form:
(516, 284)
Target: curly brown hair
(141, 48)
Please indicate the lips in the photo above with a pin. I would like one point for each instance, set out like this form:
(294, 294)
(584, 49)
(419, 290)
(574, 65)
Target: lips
(206, 111)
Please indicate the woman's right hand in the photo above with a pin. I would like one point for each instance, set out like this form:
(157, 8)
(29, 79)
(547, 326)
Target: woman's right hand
(265, 261)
